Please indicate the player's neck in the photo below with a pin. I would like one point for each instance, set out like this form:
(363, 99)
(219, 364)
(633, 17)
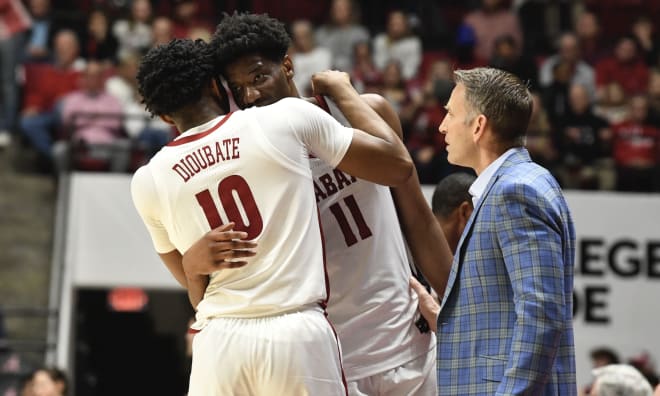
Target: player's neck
(194, 116)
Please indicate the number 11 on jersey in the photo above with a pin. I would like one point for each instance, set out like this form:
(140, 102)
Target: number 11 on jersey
(354, 209)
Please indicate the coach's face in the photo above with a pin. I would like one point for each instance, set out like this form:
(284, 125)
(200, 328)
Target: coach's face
(459, 126)
(257, 81)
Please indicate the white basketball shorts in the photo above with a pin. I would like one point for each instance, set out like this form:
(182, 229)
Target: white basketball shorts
(293, 354)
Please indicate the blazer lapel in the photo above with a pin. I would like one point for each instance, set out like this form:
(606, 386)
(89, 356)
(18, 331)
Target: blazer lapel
(520, 156)
(460, 248)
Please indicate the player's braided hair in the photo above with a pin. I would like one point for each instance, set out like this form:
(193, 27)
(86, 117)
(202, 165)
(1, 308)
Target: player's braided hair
(174, 75)
(243, 34)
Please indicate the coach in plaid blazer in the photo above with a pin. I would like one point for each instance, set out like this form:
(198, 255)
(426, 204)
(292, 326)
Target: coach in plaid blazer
(505, 322)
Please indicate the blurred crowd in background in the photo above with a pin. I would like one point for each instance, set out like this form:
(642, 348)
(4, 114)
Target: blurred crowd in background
(69, 99)
(69, 90)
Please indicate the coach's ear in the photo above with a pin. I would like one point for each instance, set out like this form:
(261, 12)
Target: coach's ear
(287, 66)
(167, 119)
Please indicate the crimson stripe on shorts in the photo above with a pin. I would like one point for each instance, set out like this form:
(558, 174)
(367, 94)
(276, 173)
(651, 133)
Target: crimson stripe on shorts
(341, 364)
(192, 138)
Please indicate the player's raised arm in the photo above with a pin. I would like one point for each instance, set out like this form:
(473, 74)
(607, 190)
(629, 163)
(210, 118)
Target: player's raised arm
(424, 235)
(376, 153)
(426, 241)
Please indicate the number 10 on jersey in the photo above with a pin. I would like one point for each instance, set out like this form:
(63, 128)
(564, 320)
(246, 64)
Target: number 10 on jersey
(232, 190)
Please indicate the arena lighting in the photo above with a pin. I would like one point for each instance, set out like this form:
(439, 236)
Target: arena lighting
(127, 299)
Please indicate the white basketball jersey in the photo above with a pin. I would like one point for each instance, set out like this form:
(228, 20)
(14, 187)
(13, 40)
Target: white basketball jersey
(250, 167)
(371, 304)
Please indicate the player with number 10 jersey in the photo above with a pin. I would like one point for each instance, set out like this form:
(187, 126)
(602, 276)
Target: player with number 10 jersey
(248, 167)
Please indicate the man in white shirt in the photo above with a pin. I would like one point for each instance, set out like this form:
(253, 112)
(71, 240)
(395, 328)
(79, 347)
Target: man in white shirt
(261, 322)
(505, 321)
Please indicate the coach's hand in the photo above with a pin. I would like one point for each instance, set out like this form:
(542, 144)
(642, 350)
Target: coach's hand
(428, 305)
(332, 83)
(220, 248)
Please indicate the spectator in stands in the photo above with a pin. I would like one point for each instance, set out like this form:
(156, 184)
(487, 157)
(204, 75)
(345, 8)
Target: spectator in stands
(635, 147)
(341, 33)
(555, 95)
(45, 85)
(464, 52)
(395, 90)
(10, 364)
(613, 105)
(540, 143)
(49, 382)
(568, 51)
(187, 22)
(509, 57)
(644, 363)
(427, 147)
(619, 379)
(162, 30)
(649, 44)
(123, 85)
(100, 44)
(44, 27)
(307, 57)
(134, 33)
(14, 22)
(398, 43)
(150, 133)
(587, 29)
(94, 119)
(365, 75)
(600, 357)
(494, 19)
(603, 356)
(625, 67)
(581, 142)
(654, 95)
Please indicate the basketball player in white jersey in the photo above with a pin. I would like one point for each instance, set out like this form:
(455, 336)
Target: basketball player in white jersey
(370, 302)
(262, 326)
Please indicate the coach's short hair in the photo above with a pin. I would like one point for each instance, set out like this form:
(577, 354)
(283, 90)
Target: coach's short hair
(620, 379)
(500, 96)
(243, 34)
(451, 192)
(174, 75)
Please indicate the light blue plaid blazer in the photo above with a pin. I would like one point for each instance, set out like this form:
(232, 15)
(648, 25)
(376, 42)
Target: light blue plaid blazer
(505, 323)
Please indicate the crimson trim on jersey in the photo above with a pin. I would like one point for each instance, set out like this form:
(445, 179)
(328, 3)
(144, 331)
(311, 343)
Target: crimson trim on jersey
(324, 303)
(322, 103)
(197, 136)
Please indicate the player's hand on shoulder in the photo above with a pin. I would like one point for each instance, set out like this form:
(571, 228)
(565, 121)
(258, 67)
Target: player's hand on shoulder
(220, 248)
(330, 82)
